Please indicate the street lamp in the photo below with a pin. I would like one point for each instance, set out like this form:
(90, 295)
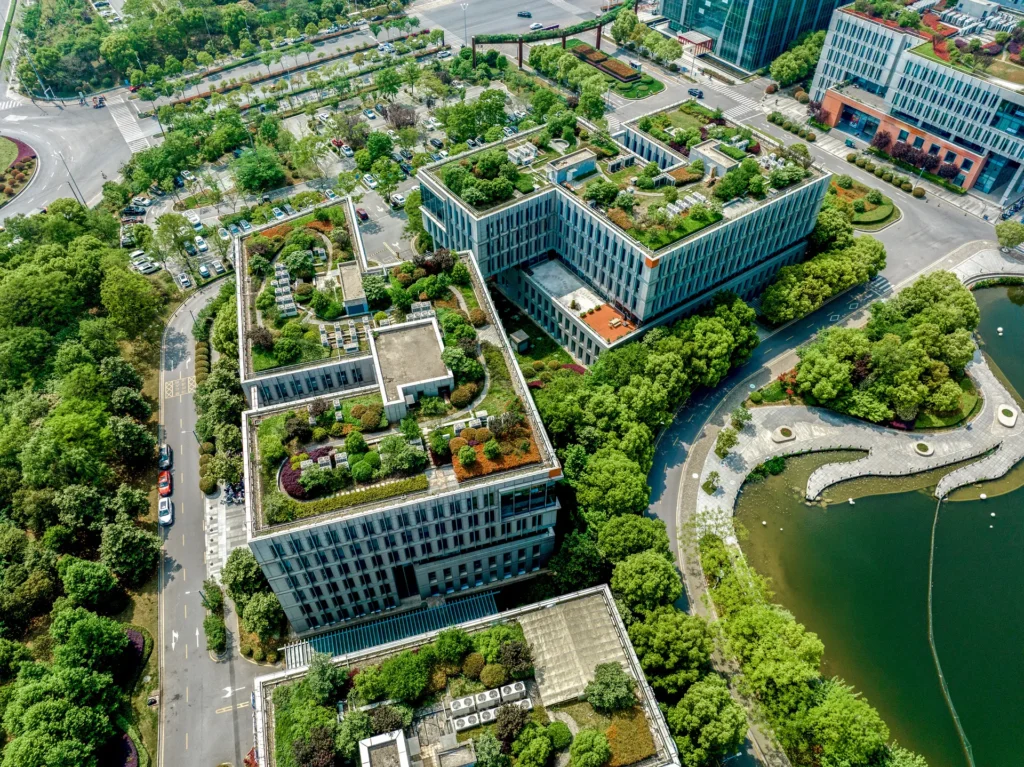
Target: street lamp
(465, 33)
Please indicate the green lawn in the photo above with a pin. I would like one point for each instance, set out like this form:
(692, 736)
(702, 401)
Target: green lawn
(470, 296)
(638, 89)
(656, 237)
(969, 403)
(622, 177)
(542, 346)
(500, 392)
(681, 119)
(312, 350)
(8, 153)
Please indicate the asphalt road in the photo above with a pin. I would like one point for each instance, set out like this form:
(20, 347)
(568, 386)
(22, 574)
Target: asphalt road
(494, 18)
(205, 717)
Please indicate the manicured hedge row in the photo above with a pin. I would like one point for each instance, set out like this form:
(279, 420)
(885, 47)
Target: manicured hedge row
(378, 493)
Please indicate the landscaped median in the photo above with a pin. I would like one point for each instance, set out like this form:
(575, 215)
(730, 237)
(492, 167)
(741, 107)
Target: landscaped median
(870, 209)
(17, 164)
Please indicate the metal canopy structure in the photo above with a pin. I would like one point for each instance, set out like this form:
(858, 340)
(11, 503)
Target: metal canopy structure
(410, 624)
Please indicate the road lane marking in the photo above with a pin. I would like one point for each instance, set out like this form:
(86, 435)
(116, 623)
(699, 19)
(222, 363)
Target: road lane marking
(186, 741)
(197, 637)
(229, 709)
(174, 639)
(186, 612)
(186, 694)
(186, 652)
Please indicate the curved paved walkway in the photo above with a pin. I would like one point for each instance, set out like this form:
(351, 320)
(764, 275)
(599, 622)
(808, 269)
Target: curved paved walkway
(890, 453)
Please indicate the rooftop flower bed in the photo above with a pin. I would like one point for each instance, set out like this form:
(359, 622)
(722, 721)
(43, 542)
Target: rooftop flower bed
(486, 178)
(610, 66)
(478, 452)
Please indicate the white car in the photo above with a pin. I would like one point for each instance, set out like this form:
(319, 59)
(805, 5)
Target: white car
(246, 226)
(443, 153)
(143, 201)
(536, 25)
(322, 116)
(218, 267)
(165, 511)
(370, 181)
(201, 244)
(278, 213)
(330, 194)
(224, 234)
(392, 135)
(347, 150)
(184, 281)
(397, 200)
(187, 175)
(148, 268)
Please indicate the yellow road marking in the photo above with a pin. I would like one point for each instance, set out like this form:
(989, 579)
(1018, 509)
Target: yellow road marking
(227, 709)
(186, 611)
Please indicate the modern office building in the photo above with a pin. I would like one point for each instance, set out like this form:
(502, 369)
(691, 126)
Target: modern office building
(569, 637)
(748, 33)
(589, 282)
(874, 76)
(404, 539)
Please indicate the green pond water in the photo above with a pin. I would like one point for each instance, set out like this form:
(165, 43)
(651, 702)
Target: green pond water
(858, 576)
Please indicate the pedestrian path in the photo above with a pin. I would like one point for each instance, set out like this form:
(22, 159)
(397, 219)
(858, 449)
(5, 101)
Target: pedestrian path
(746, 105)
(131, 131)
(225, 531)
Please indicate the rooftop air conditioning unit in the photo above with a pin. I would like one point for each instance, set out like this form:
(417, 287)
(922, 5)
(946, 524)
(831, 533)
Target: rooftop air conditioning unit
(487, 716)
(463, 706)
(487, 699)
(525, 704)
(466, 722)
(514, 691)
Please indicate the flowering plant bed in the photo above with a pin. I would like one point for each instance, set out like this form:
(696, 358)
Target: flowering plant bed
(518, 448)
(277, 231)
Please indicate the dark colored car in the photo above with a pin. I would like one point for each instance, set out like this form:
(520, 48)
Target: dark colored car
(406, 153)
(190, 248)
(525, 15)
(406, 168)
(363, 215)
(697, 93)
(436, 142)
(166, 457)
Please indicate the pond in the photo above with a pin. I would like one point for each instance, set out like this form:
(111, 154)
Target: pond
(858, 576)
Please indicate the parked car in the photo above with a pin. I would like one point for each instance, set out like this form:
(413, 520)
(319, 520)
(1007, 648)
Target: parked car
(278, 213)
(143, 201)
(190, 248)
(166, 456)
(369, 114)
(322, 116)
(436, 142)
(184, 281)
(165, 484)
(224, 234)
(289, 209)
(133, 210)
(233, 228)
(536, 25)
(697, 93)
(370, 181)
(204, 271)
(406, 153)
(347, 150)
(246, 226)
(406, 168)
(165, 511)
(392, 135)
(471, 143)
(265, 197)
(525, 15)
(201, 244)
(363, 215)
(443, 153)
(187, 175)
(330, 194)
(380, 109)
(218, 267)
(397, 200)
(444, 55)
(148, 268)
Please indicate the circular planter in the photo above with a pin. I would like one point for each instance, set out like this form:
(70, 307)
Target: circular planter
(1007, 415)
(923, 448)
(783, 434)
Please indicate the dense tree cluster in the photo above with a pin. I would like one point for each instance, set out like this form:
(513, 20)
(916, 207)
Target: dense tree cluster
(562, 66)
(910, 356)
(76, 451)
(73, 49)
(840, 262)
(799, 60)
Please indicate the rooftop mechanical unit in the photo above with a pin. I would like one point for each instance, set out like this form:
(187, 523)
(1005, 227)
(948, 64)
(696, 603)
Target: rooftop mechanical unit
(514, 691)
(525, 704)
(466, 722)
(463, 706)
(487, 699)
(487, 716)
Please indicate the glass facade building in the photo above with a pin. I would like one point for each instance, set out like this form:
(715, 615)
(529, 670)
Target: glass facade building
(749, 33)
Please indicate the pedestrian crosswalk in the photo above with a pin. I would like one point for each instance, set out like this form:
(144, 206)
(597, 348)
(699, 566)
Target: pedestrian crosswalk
(6, 104)
(745, 105)
(130, 129)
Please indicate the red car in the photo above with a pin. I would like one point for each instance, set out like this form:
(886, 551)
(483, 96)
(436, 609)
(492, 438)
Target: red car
(363, 215)
(164, 483)
(337, 142)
